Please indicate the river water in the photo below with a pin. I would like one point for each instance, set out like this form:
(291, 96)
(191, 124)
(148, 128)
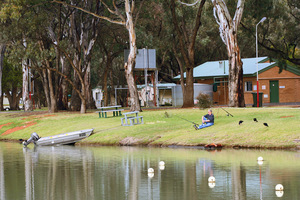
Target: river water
(70, 172)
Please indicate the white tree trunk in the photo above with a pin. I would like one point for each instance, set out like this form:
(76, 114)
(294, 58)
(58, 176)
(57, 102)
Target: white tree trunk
(228, 32)
(130, 64)
(27, 103)
(2, 51)
(128, 22)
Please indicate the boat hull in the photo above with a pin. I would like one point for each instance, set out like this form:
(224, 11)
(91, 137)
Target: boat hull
(65, 138)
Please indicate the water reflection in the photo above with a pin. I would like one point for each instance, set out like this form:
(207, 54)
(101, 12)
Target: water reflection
(61, 172)
(2, 181)
(68, 172)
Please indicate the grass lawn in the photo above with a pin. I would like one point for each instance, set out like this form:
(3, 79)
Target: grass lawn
(283, 130)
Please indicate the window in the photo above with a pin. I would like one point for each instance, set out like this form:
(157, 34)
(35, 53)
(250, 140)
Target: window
(248, 86)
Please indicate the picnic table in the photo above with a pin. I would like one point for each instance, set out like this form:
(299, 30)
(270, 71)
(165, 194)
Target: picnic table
(133, 118)
(114, 109)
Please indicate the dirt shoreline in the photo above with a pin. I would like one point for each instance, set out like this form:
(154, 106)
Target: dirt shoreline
(199, 146)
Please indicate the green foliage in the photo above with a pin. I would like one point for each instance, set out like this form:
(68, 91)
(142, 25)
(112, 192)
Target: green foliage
(10, 10)
(30, 20)
(204, 101)
(277, 35)
(12, 76)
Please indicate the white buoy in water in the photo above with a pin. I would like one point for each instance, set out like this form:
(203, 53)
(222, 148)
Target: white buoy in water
(211, 179)
(211, 185)
(150, 170)
(161, 163)
(260, 158)
(161, 167)
(150, 175)
(279, 193)
(279, 187)
(260, 162)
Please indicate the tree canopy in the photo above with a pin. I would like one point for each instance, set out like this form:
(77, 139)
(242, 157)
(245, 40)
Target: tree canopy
(70, 49)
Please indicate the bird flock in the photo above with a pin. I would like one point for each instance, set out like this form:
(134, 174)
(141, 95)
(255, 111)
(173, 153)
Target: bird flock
(255, 120)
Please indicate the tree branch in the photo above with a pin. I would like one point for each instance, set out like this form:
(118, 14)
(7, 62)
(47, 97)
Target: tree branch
(274, 49)
(138, 12)
(66, 77)
(197, 24)
(179, 34)
(187, 4)
(238, 14)
(93, 14)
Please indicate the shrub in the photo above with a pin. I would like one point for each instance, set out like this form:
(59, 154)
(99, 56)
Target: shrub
(204, 101)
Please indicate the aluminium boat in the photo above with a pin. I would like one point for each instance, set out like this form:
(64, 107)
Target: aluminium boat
(65, 138)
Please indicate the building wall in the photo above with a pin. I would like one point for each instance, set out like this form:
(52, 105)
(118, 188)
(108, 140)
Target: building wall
(220, 97)
(248, 96)
(289, 87)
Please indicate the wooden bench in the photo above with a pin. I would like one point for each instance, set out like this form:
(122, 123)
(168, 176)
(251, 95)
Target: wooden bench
(132, 120)
(114, 109)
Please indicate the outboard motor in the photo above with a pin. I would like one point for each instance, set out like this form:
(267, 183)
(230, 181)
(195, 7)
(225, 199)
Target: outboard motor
(34, 137)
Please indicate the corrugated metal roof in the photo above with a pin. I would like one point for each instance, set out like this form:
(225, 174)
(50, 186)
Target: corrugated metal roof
(220, 68)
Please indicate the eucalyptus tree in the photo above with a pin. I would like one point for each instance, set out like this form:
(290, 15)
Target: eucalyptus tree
(12, 84)
(228, 28)
(185, 34)
(2, 51)
(156, 30)
(73, 33)
(12, 18)
(111, 46)
(125, 18)
(278, 35)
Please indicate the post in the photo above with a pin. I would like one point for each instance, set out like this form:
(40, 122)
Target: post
(156, 88)
(29, 82)
(257, 86)
(116, 96)
(146, 76)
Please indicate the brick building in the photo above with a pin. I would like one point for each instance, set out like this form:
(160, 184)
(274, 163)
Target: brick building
(276, 86)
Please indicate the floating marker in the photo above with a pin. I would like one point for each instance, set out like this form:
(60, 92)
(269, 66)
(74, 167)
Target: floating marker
(150, 170)
(150, 175)
(161, 163)
(260, 158)
(279, 193)
(211, 179)
(161, 167)
(260, 162)
(279, 187)
(211, 185)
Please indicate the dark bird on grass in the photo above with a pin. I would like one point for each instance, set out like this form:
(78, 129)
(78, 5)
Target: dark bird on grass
(166, 115)
(266, 124)
(254, 119)
(240, 122)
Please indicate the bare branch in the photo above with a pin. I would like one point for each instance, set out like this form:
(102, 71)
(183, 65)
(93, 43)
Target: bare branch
(197, 24)
(116, 12)
(138, 12)
(91, 13)
(238, 13)
(178, 32)
(216, 17)
(66, 77)
(132, 6)
(187, 4)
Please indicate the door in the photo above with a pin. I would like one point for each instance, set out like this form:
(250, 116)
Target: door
(274, 92)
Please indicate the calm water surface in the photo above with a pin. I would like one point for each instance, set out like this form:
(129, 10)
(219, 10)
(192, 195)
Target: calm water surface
(69, 172)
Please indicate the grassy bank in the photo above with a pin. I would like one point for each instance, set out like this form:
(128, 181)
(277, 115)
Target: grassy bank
(283, 130)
